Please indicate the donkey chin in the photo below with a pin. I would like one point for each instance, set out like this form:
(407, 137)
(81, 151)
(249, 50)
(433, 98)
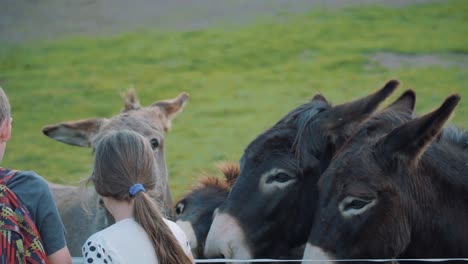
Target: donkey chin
(319, 256)
(226, 240)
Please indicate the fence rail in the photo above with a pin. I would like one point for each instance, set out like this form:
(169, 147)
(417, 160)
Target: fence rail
(80, 260)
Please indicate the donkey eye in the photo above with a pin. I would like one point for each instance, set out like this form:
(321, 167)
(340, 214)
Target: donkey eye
(282, 177)
(351, 206)
(179, 208)
(279, 177)
(276, 179)
(356, 204)
(154, 143)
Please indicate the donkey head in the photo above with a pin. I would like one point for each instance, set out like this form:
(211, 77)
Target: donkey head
(194, 212)
(151, 122)
(365, 203)
(263, 215)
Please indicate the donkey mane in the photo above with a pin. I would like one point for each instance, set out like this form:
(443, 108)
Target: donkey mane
(444, 158)
(307, 114)
(211, 181)
(230, 170)
(301, 115)
(296, 125)
(455, 136)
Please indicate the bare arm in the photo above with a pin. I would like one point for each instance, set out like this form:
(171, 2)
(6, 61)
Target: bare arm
(61, 256)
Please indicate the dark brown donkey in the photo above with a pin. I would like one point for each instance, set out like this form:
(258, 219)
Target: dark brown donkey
(264, 215)
(395, 190)
(151, 122)
(194, 211)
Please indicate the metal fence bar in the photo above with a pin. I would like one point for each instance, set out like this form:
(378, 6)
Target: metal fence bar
(320, 260)
(80, 260)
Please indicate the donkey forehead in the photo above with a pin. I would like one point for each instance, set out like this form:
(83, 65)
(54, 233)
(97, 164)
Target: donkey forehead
(141, 122)
(350, 166)
(202, 201)
(274, 142)
(285, 138)
(207, 198)
(267, 162)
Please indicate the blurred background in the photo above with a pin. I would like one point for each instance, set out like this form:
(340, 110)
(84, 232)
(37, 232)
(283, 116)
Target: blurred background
(245, 63)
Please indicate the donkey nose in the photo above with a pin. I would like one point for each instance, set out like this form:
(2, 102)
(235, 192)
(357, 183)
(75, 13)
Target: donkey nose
(317, 255)
(190, 233)
(226, 238)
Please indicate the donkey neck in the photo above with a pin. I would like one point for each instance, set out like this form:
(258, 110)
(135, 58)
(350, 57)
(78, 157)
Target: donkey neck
(440, 190)
(446, 165)
(163, 194)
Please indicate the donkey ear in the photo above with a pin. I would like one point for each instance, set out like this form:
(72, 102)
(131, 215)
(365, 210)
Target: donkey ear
(346, 117)
(412, 138)
(172, 107)
(368, 104)
(319, 97)
(77, 133)
(130, 100)
(405, 102)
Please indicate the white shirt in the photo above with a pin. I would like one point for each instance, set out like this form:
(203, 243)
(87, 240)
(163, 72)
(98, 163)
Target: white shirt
(127, 242)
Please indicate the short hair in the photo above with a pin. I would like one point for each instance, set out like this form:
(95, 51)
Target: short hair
(5, 111)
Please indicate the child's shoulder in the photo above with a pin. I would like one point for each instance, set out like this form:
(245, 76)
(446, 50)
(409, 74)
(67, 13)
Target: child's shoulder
(30, 178)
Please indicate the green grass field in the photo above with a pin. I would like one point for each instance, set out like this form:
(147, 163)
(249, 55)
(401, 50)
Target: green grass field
(241, 80)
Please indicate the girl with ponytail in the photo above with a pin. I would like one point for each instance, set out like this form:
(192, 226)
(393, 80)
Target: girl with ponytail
(123, 175)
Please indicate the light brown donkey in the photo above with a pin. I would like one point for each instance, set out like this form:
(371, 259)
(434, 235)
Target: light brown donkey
(80, 208)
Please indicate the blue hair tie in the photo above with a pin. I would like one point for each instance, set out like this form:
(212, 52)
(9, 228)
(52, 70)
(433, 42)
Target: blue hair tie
(136, 188)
